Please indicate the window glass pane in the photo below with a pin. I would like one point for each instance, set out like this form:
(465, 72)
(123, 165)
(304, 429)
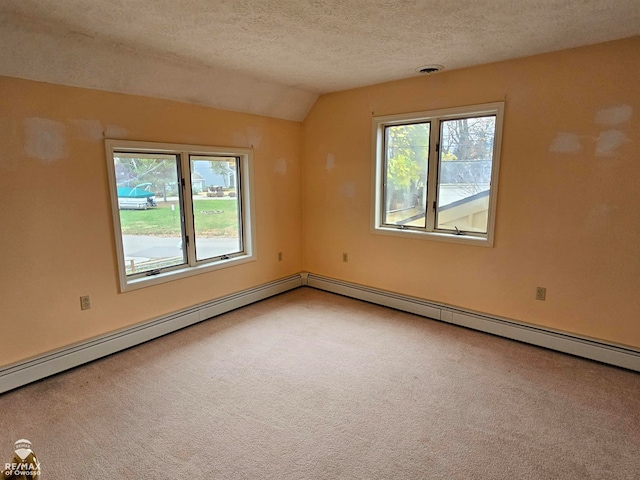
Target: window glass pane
(405, 176)
(464, 173)
(150, 211)
(216, 205)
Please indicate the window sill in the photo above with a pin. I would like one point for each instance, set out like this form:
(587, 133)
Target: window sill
(466, 239)
(128, 284)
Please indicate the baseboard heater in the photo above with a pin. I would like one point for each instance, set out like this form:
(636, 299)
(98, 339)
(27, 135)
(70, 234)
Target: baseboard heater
(618, 355)
(57, 361)
(22, 373)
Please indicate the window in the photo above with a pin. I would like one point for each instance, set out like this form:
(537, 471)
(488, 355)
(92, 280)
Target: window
(178, 210)
(436, 173)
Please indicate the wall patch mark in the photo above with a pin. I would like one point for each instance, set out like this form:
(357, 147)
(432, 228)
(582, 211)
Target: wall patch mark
(566, 143)
(614, 115)
(331, 162)
(608, 142)
(280, 166)
(44, 139)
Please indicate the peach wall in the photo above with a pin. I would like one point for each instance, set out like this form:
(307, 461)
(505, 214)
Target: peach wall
(566, 220)
(568, 198)
(56, 235)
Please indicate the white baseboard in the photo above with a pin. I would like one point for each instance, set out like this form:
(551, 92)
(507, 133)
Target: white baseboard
(57, 361)
(28, 371)
(617, 355)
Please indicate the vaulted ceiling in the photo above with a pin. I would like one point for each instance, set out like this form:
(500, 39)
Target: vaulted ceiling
(274, 57)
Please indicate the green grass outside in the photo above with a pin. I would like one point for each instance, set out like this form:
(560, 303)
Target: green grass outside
(213, 218)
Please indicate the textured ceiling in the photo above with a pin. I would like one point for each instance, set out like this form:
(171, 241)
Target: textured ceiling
(273, 57)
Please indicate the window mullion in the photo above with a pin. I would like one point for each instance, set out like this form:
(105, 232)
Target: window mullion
(432, 173)
(187, 208)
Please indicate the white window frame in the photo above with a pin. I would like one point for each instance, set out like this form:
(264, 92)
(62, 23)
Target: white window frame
(192, 266)
(434, 117)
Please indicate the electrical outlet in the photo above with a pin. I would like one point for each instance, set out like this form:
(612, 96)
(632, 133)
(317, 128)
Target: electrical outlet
(279, 256)
(541, 293)
(85, 302)
(345, 257)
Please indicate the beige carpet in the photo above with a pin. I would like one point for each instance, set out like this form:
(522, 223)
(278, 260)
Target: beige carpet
(310, 385)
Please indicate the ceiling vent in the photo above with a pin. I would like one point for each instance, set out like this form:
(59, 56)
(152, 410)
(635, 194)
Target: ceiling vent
(428, 69)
